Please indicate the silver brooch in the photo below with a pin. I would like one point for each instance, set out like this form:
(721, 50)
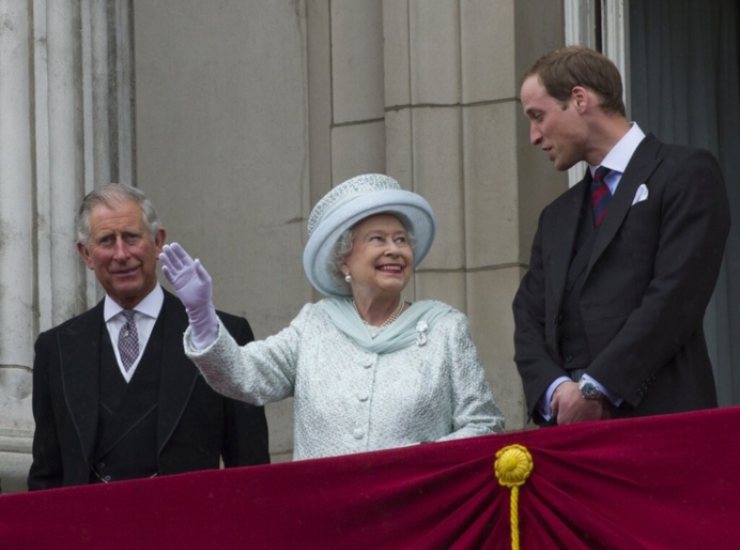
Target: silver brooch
(421, 333)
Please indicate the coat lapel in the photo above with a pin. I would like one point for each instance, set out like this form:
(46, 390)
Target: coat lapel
(562, 231)
(178, 374)
(79, 359)
(79, 353)
(643, 163)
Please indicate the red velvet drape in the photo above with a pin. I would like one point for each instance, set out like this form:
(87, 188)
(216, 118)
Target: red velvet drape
(668, 482)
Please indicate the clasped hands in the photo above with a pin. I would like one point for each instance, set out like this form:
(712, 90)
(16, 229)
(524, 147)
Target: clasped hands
(194, 286)
(569, 406)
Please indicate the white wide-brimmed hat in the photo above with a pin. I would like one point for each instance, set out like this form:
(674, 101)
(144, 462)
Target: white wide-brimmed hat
(349, 203)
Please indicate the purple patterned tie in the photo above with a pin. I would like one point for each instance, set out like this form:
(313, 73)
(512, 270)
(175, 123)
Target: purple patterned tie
(600, 194)
(128, 340)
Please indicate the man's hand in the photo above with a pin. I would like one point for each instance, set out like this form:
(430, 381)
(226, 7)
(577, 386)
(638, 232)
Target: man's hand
(569, 406)
(194, 287)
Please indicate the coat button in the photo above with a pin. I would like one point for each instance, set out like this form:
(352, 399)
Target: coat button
(358, 433)
(363, 396)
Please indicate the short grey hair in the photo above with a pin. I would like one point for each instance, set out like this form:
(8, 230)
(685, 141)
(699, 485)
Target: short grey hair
(109, 195)
(344, 245)
(342, 248)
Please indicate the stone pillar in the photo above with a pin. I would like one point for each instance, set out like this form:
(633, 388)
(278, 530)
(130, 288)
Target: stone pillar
(57, 99)
(65, 125)
(16, 244)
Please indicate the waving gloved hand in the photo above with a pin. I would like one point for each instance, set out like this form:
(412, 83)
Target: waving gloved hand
(194, 287)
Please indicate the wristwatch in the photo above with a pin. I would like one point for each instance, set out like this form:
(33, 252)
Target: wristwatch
(589, 390)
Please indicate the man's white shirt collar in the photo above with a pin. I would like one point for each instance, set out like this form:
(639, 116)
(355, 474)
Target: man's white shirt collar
(149, 306)
(619, 157)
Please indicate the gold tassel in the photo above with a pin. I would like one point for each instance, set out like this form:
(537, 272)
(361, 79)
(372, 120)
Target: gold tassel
(513, 465)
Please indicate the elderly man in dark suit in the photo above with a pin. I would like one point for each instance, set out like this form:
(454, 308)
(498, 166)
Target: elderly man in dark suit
(114, 396)
(609, 315)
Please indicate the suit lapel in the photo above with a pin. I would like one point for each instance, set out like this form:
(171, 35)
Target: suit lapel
(643, 163)
(178, 374)
(562, 230)
(79, 358)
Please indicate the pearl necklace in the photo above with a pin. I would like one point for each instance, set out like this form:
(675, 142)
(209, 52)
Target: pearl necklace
(391, 318)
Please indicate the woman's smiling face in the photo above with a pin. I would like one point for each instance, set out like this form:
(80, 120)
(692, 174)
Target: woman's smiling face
(381, 260)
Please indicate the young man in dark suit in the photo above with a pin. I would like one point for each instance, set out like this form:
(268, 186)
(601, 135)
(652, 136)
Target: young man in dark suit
(609, 315)
(116, 398)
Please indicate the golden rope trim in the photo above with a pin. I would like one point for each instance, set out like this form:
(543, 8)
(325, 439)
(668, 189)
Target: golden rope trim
(513, 465)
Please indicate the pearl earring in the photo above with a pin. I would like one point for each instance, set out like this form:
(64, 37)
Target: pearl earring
(347, 278)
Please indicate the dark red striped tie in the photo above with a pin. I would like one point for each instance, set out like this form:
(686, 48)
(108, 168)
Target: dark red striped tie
(600, 194)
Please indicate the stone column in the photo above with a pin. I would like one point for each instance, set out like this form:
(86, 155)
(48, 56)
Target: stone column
(60, 105)
(16, 243)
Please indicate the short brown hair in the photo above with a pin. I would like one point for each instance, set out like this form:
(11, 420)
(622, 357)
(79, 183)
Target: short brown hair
(562, 69)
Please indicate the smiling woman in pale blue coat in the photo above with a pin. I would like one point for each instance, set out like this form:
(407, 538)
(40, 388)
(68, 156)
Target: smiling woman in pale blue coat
(367, 369)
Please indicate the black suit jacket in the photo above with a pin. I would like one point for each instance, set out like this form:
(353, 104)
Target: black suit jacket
(196, 427)
(647, 283)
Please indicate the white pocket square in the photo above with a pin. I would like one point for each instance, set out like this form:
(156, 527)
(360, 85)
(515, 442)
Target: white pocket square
(641, 194)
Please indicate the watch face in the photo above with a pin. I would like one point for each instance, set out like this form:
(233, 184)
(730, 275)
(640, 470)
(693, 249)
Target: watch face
(589, 391)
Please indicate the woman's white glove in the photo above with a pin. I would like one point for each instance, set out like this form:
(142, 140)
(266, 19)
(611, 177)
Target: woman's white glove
(194, 287)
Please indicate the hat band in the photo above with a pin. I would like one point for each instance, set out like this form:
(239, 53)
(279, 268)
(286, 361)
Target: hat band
(334, 206)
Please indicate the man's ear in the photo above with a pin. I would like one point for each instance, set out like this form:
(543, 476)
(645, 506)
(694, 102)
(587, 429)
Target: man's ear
(85, 255)
(580, 98)
(160, 238)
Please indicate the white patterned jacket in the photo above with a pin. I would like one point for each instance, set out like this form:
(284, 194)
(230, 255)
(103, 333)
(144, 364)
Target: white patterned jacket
(347, 400)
